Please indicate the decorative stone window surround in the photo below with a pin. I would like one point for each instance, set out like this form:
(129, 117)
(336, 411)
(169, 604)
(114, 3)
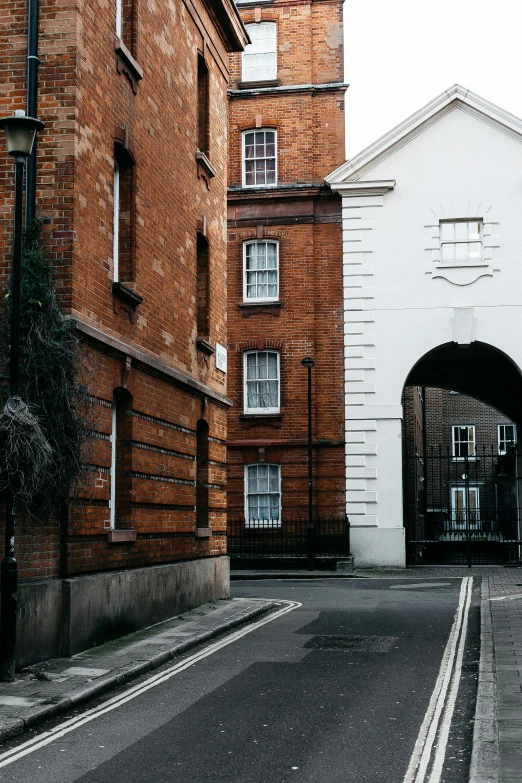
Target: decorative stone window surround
(466, 272)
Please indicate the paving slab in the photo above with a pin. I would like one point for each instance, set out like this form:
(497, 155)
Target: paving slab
(48, 689)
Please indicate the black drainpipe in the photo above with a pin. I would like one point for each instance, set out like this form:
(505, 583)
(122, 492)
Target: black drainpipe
(32, 83)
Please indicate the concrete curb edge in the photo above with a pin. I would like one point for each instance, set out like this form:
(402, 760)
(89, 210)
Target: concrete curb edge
(485, 756)
(15, 726)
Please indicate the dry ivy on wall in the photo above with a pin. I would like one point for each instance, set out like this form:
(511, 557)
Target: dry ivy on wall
(43, 432)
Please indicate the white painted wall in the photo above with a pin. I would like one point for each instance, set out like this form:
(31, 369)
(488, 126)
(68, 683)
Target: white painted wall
(460, 164)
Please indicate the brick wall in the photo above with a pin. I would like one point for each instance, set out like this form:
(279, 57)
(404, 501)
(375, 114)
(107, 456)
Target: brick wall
(306, 222)
(90, 95)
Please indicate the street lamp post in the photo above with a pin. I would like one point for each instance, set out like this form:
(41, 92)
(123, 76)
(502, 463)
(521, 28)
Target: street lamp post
(308, 362)
(20, 132)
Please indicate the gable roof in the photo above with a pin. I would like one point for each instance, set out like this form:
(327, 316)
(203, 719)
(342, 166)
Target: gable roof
(456, 97)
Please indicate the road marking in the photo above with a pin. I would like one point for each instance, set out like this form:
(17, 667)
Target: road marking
(441, 704)
(15, 754)
(506, 597)
(421, 584)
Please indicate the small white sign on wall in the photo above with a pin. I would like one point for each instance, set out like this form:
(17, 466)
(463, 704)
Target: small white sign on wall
(221, 358)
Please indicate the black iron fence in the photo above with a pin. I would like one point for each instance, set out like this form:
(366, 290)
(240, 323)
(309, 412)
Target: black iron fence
(462, 509)
(328, 537)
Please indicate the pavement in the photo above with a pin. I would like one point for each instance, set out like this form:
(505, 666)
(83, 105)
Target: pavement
(46, 690)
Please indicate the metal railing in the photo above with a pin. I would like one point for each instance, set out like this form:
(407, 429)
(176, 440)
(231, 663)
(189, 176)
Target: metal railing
(462, 510)
(328, 537)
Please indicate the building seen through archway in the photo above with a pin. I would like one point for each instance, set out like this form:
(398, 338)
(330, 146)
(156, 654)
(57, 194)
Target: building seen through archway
(460, 492)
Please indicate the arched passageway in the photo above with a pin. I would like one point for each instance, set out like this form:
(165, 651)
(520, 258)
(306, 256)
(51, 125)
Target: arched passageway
(460, 462)
(478, 370)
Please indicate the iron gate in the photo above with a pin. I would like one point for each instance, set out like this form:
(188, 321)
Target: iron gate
(462, 510)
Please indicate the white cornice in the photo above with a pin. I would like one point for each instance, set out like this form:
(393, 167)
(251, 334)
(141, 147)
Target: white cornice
(455, 97)
(368, 188)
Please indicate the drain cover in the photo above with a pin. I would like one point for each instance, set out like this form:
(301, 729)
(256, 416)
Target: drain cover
(376, 644)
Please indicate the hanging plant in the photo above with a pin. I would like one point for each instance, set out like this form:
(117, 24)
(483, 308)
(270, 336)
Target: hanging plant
(42, 432)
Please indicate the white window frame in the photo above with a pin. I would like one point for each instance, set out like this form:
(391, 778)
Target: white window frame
(255, 49)
(243, 158)
(245, 381)
(261, 523)
(504, 439)
(112, 502)
(119, 18)
(455, 242)
(116, 225)
(454, 443)
(247, 298)
(453, 510)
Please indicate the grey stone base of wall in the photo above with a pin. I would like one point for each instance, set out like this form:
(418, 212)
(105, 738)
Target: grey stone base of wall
(66, 616)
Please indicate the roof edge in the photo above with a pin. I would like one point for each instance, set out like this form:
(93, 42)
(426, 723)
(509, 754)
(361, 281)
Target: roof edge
(438, 106)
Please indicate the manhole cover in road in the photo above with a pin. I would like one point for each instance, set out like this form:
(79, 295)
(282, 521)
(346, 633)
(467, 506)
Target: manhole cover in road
(376, 644)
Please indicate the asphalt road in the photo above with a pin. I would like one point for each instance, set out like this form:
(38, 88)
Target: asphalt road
(334, 691)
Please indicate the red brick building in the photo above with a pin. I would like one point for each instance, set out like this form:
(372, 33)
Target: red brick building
(286, 133)
(131, 180)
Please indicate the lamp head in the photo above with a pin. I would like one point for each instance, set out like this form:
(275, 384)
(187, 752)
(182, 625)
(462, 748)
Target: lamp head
(20, 132)
(308, 362)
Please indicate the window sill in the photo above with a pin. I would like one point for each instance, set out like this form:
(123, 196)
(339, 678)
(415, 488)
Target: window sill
(121, 536)
(462, 265)
(260, 419)
(205, 164)
(262, 524)
(126, 64)
(126, 294)
(203, 532)
(465, 459)
(250, 308)
(259, 84)
(204, 346)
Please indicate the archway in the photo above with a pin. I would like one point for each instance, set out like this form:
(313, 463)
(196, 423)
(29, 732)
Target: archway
(461, 481)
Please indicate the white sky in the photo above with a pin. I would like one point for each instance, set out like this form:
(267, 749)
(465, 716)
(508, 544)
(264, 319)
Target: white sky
(400, 54)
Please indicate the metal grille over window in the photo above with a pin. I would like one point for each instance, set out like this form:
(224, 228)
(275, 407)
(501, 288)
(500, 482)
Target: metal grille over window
(262, 381)
(260, 157)
(261, 273)
(263, 495)
(463, 441)
(461, 241)
(506, 437)
(259, 57)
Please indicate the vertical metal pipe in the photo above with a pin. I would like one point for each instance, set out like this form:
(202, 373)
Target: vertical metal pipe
(9, 568)
(32, 95)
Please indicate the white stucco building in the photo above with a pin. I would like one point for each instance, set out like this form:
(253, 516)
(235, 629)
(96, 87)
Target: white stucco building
(432, 264)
